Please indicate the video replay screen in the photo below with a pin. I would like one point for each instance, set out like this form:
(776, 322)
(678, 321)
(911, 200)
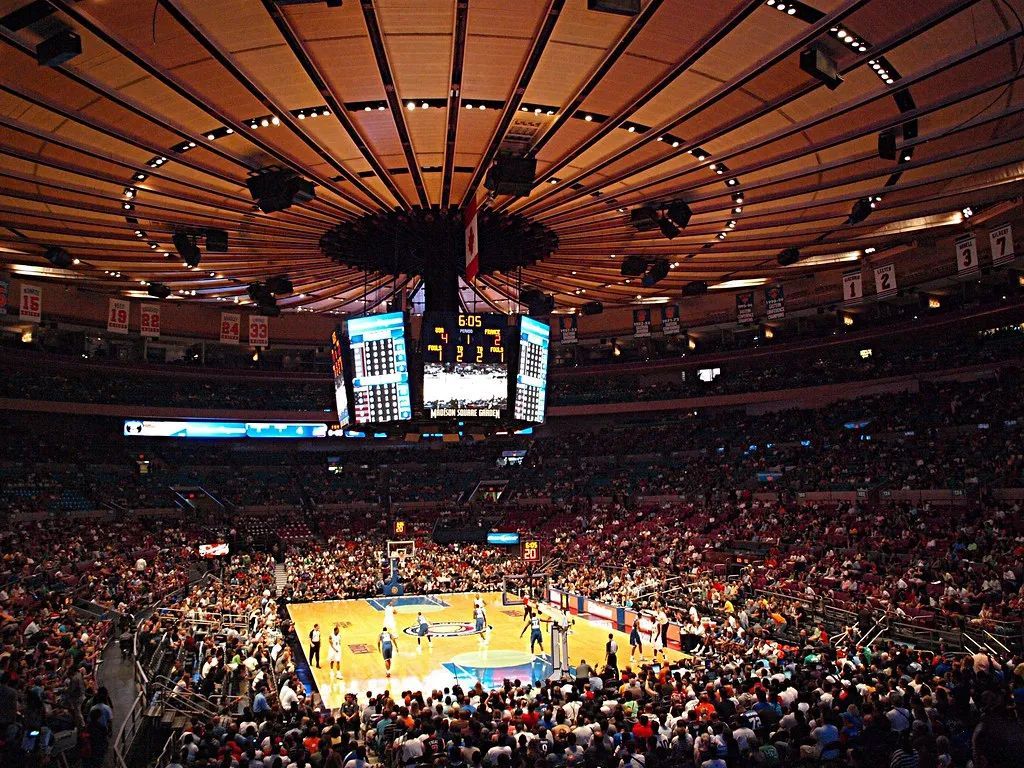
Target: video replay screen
(465, 374)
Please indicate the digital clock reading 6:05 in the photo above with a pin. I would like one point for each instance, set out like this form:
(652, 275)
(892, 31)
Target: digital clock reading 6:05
(461, 338)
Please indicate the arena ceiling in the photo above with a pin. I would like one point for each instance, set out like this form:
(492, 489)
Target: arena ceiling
(403, 104)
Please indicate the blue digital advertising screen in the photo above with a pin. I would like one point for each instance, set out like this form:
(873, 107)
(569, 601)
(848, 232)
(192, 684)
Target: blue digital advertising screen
(221, 429)
(502, 539)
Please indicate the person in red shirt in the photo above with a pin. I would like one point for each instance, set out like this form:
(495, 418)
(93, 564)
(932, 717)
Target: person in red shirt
(643, 729)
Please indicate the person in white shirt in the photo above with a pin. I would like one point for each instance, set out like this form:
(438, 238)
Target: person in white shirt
(389, 617)
(288, 696)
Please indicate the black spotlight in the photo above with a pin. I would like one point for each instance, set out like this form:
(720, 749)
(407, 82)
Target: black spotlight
(644, 218)
(621, 7)
(657, 273)
(158, 290)
(275, 189)
(257, 292)
(696, 288)
(537, 302)
(860, 211)
(887, 144)
(592, 308)
(679, 212)
(60, 48)
(816, 61)
(668, 229)
(216, 241)
(279, 285)
(633, 266)
(185, 245)
(788, 257)
(511, 175)
(58, 257)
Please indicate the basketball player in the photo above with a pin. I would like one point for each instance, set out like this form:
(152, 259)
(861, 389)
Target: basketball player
(389, 617)
(658, 645)
(387, 645)
(422, 629)
(480, 618)
(636, 643)
(535, 633)
(528, 609)
(334, 652)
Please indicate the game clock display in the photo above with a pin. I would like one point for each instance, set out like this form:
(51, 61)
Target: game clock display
(380, 369)
(465, 374)
(532, 374)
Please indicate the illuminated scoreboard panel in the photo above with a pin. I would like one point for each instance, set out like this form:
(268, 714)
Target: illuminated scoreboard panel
(532, 376)
(380, 376)
(464, 368)
(338, 370)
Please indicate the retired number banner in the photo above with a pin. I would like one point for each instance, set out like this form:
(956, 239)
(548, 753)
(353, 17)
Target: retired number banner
(259, 331)
(5, 289)
(745, 307)
(229, 327)
(1001, 239)
(966, 255)
(31, 305)
(853, 287)
(117, 316)
(149, 320)
(885, 281)
(641, 323)
(670, 320)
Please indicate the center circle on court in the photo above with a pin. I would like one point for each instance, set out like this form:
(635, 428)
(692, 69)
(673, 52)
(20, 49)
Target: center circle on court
(492, 659)
(444, 629)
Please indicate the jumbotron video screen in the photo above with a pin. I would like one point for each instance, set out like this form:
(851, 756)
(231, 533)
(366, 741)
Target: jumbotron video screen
(465, 373)
(338, 371)
(380, 375)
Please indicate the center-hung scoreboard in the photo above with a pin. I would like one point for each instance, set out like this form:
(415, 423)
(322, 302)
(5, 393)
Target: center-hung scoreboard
(479, 366)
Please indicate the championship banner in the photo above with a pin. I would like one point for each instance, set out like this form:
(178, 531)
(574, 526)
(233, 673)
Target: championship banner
(853, 287)
(259, 331)
(774, 302)
(745, 307)
(670, 320)
(567, 329)
(229, 327)
(31, 305)
(117, 316)
(885, 281)
(1001, 240)
(472, 240)
(641, 323)
(5, 288)
(149, 320)
(966, 255)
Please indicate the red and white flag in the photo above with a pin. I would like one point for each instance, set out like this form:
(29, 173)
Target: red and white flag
(472, 241)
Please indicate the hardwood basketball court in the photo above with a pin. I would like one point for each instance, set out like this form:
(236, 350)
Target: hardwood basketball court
(456, 654)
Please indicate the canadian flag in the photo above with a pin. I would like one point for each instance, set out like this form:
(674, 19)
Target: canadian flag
(472, 241)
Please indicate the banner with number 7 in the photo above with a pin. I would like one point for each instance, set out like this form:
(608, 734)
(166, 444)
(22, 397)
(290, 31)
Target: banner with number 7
(1001, 240)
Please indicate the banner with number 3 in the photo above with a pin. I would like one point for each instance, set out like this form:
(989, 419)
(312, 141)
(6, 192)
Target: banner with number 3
(966, 254)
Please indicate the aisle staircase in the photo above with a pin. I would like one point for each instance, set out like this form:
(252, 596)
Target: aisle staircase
(280, 578)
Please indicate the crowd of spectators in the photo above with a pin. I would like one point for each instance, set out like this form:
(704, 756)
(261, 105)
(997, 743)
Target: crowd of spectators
(71, 380)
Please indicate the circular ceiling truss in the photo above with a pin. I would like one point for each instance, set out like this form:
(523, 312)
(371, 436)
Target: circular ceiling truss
(393, 108)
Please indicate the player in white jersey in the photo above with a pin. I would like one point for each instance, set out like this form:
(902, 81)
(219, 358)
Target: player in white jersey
(334, 652)
(389, 617)
(387, 645)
